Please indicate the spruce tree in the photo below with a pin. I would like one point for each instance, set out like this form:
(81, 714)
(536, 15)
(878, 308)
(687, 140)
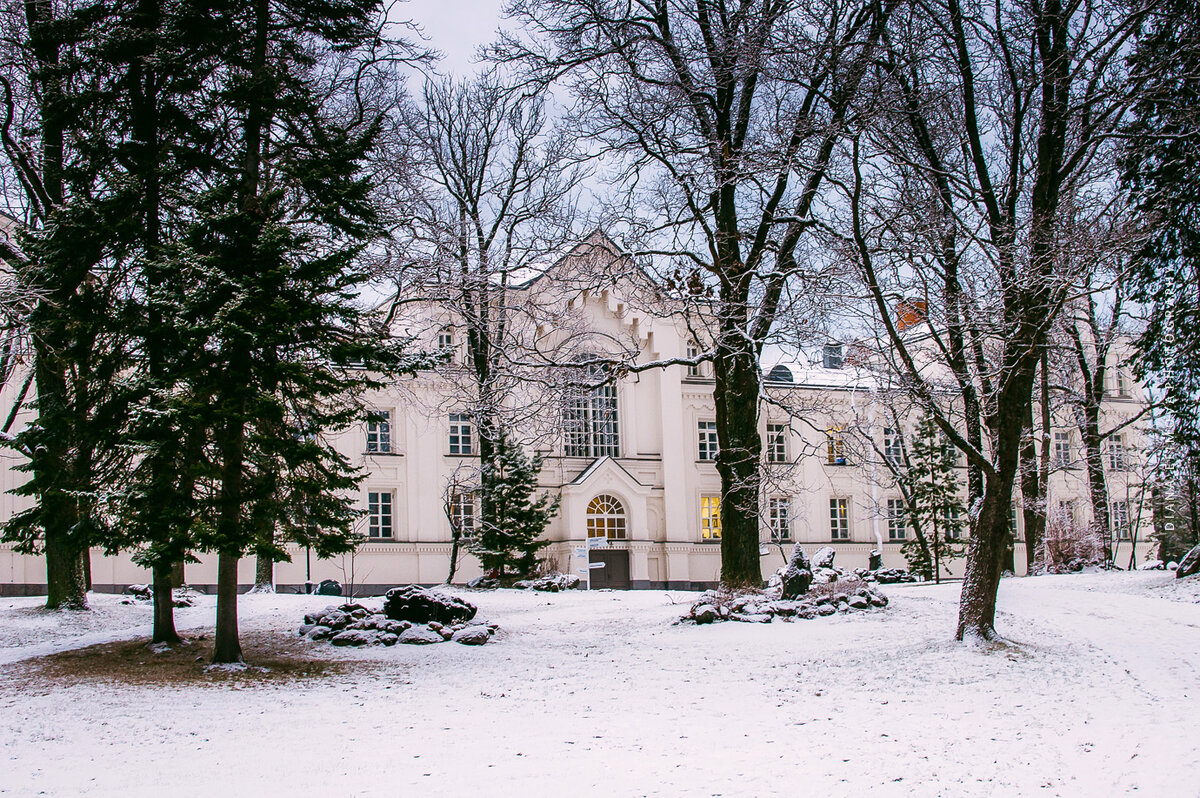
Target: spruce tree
(509, 540)
(1162, 172)
(935, 509)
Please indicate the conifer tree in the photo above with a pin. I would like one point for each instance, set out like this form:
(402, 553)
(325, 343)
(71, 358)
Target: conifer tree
(510, 538)
(935, 508)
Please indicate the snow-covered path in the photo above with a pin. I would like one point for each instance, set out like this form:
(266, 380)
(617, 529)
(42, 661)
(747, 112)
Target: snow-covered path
(598, 694)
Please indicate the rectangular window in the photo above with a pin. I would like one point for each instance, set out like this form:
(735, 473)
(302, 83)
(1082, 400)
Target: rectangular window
(1062, 449)
(777, 443)
(462, 434)
(897, 522)
(839, 519)
(710, 517)
(379, 515)
(379, 433)
(893, 446)
(1066, 514)
(1013, 521)
(590, 421)
(1116, 453)
(707, 432)
(1120, 379)
(835, 446)
(462, 514)
(1119, 520)
(694, 370)
(780, 518)
(951, 524)
(948, 450)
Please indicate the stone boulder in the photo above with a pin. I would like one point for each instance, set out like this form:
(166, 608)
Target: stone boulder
(419, 636)
(483, 583)
(353, 637)
(472, 636)
(329, 587)
(550, 583)
(796, 576)
(1190, 564)
(418, 605)
(824, 557)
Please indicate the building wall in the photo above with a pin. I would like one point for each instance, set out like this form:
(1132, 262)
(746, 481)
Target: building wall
(658, 479)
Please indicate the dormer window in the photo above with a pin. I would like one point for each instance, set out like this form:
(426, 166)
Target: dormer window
(832, 356)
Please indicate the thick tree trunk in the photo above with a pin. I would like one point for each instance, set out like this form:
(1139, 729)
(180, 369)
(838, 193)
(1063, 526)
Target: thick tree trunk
(65, 581)
(227, 648)
(164, 605)
(736, 396)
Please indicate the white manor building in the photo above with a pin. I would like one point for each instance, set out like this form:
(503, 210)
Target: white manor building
(635, 464)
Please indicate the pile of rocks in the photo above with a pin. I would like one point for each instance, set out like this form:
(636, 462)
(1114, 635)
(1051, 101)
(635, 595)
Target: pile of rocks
(802, 589)
(180, 596)
(756, 607)
(411, 616)
(550, 583)
(794, 579)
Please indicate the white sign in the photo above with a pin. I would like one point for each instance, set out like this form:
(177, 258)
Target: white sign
(580, 551)
(595, 565)
(597, 543)
(583, 571)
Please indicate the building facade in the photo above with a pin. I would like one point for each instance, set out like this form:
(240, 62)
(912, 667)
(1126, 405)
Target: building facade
(633, 461)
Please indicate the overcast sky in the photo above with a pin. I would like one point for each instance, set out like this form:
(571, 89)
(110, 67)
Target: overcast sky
(456, 27)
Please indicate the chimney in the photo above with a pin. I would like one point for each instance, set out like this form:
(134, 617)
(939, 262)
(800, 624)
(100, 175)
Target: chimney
(910, 313)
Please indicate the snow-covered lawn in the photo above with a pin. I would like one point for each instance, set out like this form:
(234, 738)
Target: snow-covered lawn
(599, 694)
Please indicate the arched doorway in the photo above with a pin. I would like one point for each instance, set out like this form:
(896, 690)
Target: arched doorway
(606, 519)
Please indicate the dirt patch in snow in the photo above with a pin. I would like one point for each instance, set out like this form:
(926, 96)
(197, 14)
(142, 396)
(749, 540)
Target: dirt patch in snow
(272, 658)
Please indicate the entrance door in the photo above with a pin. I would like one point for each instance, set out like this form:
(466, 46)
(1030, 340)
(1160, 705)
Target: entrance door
(615, 573)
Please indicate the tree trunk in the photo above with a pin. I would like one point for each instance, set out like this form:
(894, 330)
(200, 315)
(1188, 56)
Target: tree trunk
(736, 395)
(164, 605)
(227, 648)
(1097, 486)
(65, 580)
(264, 573)
(1031, 486)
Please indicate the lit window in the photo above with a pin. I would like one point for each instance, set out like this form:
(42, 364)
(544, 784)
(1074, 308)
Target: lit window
(707, 431)
(606, 518)
(590, 420)
(710, 517)
(835, 446)
(839, 519)
(379, 433)
(893, 446)
(1062, 449)
(1116, 454)
(897, 522)
(1119, 520)
(461, 434)
(379, 515)
(462, 514)
(777, 443)
(832, 356)
(779, 509)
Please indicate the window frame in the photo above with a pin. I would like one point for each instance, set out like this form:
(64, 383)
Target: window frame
(779, 518)
(379, 432)
(710, 517)
(777, 440)
(839, 519)
(707, 445)
(897, 514)
(461, 435)
(381, 515)
(835, 447)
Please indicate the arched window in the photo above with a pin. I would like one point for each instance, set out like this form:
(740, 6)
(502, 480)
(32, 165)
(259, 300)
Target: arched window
(606, 518)
(590, 417)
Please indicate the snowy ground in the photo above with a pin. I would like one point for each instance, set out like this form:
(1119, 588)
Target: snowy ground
(599, 694)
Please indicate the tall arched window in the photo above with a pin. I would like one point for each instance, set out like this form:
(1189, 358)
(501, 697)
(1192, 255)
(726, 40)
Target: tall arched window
(590, 418)
(606, 518)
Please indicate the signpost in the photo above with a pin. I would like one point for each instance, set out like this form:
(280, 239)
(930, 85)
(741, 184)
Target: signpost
(584, 553)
